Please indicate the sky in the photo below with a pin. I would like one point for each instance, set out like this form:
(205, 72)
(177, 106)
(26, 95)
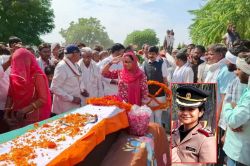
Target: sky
(121, 17)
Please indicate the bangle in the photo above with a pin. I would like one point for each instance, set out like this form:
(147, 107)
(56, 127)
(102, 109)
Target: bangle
(34, 106)
(30, 112)
(7, 109)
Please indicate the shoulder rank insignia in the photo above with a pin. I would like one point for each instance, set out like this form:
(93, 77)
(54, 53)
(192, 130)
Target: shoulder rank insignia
(206, 132)
(190, 149)
(174, 130)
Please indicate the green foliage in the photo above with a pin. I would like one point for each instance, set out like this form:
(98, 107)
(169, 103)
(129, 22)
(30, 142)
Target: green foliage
(87, 30)
(211, 20)
(181, 45)
(141, 37)
(140, 58)
(27, 19)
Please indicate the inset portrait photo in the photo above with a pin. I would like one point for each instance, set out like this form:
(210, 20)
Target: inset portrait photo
(193, 123)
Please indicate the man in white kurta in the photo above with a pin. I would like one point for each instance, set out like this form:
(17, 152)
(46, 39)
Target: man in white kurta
(67, 84)
(110, 85)
(91, 75)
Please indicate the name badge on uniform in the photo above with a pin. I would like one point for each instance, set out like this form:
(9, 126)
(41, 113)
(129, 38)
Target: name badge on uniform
(190, 149)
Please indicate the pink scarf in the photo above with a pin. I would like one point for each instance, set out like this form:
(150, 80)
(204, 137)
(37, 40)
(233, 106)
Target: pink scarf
(132, 78)
(23, 69)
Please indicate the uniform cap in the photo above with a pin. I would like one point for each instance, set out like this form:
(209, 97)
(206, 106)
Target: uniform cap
(190, 96)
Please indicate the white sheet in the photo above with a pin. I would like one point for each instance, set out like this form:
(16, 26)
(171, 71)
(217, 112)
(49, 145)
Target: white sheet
(44, 156)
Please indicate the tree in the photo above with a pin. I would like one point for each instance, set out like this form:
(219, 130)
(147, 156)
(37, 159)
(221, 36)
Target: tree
(27, 19)
(211, 20)
(141, 37)
(87, 30)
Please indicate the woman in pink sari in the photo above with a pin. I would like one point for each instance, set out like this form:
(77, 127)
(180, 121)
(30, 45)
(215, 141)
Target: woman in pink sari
(132, 83)
(29, 98)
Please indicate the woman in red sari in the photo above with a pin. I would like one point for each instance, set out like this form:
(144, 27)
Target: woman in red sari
(29, 98)
(132, 83)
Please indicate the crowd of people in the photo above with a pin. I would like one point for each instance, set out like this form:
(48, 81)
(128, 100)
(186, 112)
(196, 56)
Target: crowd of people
(36, 85)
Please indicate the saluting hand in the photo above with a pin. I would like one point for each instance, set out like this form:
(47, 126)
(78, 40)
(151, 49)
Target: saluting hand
(116, 60)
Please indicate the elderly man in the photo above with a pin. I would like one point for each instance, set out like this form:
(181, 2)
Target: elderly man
(216, 55)
(66, 83)
(218, 71)
(91, 75)
(145, 48)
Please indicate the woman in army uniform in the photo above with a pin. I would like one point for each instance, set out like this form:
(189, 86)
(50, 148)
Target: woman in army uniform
(191, 142)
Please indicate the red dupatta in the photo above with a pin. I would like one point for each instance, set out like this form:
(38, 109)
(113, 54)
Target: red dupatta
(132, 78)
(22, 82)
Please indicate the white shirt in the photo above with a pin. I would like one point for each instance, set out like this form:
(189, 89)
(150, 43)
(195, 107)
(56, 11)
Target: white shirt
(110, 89)
(171, 65)
(214, 70)
(183, 74)
(4, 81)
(66, 85)
(91, 78)
(202, 71)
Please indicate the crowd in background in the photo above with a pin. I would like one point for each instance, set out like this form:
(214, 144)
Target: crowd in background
(36, 85)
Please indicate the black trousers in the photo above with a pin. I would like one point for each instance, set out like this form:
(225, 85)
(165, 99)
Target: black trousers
(220, 152)
(3, 125)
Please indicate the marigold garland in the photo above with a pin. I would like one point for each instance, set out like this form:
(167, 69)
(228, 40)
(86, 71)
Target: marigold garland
(109, 101)
(21, 154)
(166, 90)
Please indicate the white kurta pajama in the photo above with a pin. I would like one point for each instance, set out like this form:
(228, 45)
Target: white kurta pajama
(183, 74)
(66, 84)
(91, 78)
(110, 89)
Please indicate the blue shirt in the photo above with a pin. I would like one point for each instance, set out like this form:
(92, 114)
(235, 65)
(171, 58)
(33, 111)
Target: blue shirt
(237, 144)
(223, 80)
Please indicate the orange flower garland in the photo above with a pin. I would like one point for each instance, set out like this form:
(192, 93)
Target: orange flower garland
(109, 101)
(166, 90)
(20, 154)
